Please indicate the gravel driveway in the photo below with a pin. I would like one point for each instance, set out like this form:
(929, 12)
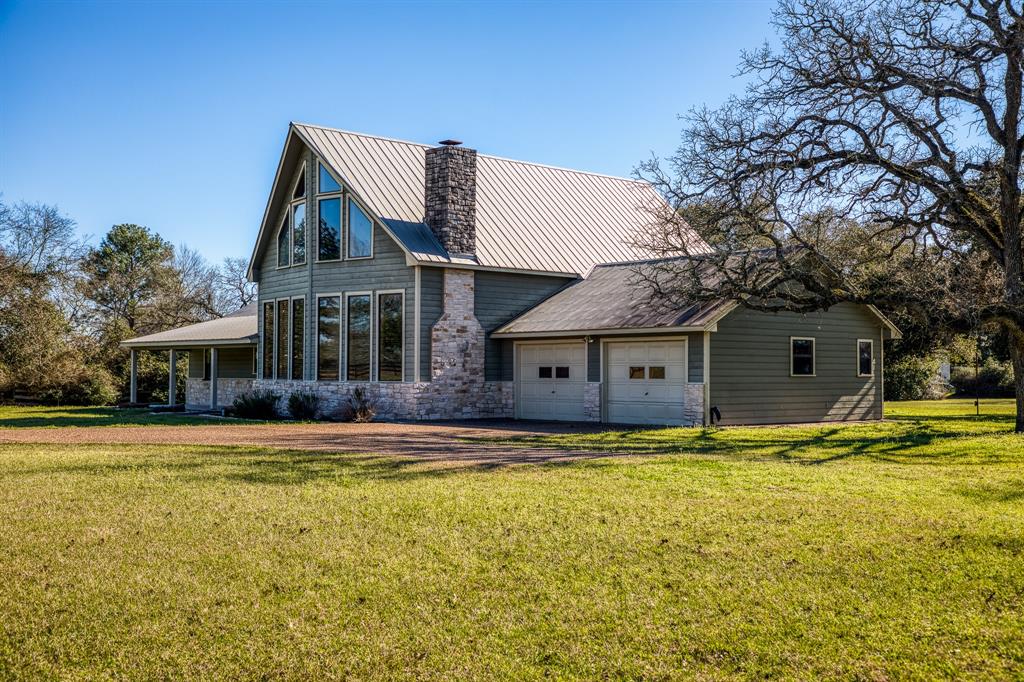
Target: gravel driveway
(448, 441)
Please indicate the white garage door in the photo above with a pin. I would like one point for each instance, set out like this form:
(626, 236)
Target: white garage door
(551, 381)
(646, 382)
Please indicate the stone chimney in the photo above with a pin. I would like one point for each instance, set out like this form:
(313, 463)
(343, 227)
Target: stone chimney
(450, 198)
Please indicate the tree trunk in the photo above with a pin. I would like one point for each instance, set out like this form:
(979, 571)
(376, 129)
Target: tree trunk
(1017, 355)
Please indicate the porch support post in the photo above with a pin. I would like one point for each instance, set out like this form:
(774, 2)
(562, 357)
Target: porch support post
(707, 378)
(172, 380)
(213, 378)
(133, 392)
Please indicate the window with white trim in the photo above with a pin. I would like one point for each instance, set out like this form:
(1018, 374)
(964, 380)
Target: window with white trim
(801, 356)
(865, 357)
(389, 337)
(360, 232)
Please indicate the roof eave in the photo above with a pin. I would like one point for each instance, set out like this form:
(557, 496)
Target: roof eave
(616, 331)
(189, 343)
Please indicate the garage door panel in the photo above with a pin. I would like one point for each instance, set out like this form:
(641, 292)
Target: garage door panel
(551, 397)
(656, 395)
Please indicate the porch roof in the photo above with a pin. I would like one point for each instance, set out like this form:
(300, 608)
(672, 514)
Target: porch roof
(237, 329)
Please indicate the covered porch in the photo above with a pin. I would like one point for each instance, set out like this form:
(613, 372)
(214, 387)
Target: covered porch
(221, 360)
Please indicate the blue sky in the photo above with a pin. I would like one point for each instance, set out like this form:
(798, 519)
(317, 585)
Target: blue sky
(172, 115)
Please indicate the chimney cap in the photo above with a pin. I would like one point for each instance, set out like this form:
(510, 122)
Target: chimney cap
(450, 143)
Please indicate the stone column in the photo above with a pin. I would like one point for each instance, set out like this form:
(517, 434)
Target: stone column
(213, 378)
(172, 381)
(133, 393)
(457, 351)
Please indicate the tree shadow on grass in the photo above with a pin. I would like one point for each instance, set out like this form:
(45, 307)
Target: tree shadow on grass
(100, 416)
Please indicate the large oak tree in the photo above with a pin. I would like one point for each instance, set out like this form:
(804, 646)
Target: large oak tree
(881, 138)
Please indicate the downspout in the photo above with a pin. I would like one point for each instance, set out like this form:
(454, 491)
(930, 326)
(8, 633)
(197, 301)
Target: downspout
(881, 372)
(707, 378)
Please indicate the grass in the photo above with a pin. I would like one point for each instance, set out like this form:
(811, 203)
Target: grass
(37, 416)
(864, 552)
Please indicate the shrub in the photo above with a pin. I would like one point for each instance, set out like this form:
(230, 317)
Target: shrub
(90, 385)
(914, 378)
(994, 380)
(303, 405)
(256, 404)
(363, 408)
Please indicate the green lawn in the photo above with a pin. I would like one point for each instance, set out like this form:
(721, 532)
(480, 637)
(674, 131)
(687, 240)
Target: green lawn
(14, 417)
(873, 551)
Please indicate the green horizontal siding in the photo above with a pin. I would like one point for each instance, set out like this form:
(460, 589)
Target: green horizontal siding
(750, 366)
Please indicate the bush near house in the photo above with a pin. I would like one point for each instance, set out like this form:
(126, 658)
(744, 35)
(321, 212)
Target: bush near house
(914, 378)
(993, 379)
(303, 405)
(256, 404)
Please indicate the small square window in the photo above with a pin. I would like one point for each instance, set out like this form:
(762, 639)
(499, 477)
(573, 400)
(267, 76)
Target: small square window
(561, 372)
(655, 372)
(544, 372)
(636, 372)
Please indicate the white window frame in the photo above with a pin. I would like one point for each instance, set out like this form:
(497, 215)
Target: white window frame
(287, 226)
(340, 196)
(871, 342)
(295, 183)
(375, 308)
(291, 233)
(814, 355)
(373, 336)
(348, 226)
(288, 333)
(319, 192)
(263, 336)
(291, 338)
(341, 337)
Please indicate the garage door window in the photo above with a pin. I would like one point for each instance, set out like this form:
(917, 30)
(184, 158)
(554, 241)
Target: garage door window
(655, 372)
(543, 372)
(637, 373)
(561, 372)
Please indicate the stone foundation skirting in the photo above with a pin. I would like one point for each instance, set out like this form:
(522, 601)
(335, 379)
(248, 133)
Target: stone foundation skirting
(197, 392)
(400, 400)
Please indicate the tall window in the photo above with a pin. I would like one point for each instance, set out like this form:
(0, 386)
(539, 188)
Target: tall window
(268, 340)
(300, 185)
(282, 339)
(328, 338)
(299, 234)
(360, 232)
(298, 336)
(283, 244)
(325, 181)
(329, 232)
(357, 347)
(389, 337)
(802, 357)
(865, 357)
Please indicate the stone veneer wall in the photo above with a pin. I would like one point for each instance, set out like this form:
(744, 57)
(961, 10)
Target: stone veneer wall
(197, 391)
(450, 198)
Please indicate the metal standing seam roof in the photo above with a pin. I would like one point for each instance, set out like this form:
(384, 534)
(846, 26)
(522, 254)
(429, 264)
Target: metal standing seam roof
(238, 328)
(611, 298)
(529, 216)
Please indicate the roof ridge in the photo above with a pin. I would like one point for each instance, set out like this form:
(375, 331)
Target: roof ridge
(488, 156)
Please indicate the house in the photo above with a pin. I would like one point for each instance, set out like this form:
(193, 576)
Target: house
(447, 284)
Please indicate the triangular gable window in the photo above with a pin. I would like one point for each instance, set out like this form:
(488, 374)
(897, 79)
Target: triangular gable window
(283, 244)
(300, 186)
(326, 182)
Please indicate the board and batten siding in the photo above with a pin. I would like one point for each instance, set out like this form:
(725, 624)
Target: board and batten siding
(750, 367)
(500, 296)
(232, 363)
(386, 271)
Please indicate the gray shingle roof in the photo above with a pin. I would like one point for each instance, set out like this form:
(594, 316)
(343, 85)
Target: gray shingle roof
(611, 298)
(529, 216)
(238, 328)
